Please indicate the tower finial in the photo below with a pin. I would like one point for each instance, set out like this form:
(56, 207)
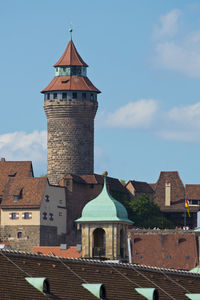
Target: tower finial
(70, 30)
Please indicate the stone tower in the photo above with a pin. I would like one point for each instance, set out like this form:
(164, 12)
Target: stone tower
(70, 104)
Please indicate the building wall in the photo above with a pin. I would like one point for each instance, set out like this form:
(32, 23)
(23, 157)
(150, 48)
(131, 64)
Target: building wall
(70, 137)
(6, 221)
(56, 205)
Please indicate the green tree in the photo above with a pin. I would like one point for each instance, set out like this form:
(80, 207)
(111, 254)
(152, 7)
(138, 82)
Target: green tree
(146, 214)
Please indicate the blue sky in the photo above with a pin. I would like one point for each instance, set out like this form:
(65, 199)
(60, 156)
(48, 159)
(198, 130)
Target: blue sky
(144, 55)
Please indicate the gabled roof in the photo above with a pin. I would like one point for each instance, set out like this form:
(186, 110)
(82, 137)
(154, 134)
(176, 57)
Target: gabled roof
(192, 191)
(141, 187)
(11, 169)
(70, 57)
(70, 83)
(30, 191)
(177, 191)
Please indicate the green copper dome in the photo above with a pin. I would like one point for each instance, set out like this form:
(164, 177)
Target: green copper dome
(104, 208)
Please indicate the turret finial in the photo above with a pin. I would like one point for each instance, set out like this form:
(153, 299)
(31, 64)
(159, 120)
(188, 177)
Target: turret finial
(70, 30)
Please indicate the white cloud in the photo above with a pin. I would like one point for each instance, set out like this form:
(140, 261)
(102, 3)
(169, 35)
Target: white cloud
(25, 146)
(176, 52)
(186, 115)
(180, 135)
(139, 114)
(168, 25)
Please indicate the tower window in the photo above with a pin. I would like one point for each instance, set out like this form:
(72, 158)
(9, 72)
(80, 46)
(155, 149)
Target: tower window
(19, 235)
(55, 96)
(48, 96)
(74, 95)
(91, 96)
(64, 95)
(83, 95)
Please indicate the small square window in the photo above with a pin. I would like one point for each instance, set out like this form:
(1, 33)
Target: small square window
(46, 198)
(51, 217)
(74, 95)
(13, 216)
(19, 235)
(55, 96)
(64, 95)
(27, 215)
(44, 216)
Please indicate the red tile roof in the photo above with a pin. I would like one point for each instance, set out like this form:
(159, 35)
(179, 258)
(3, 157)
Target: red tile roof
(15, 169)
(177, 191)
(70, 83)
(141, 187)
(70, 57)
(165, 248)
(192, 191)
(30, 190)
(66, 276)
(71, 252)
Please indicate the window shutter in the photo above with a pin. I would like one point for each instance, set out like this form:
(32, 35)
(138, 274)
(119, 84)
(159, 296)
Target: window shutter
(17, 215)
(30, 215)
(23, 216)
(10, 216)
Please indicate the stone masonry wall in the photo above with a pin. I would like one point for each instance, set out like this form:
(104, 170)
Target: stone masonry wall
(70, 137)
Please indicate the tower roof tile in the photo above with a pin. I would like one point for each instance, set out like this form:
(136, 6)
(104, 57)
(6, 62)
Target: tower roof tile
(70, 57)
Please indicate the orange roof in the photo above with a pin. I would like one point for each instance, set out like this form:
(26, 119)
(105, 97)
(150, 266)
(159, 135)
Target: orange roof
(70, 57)
(70, 83)
(71, 252)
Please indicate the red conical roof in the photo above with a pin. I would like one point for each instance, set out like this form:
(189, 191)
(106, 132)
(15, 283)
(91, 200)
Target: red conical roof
(70, 83)
(70, 57)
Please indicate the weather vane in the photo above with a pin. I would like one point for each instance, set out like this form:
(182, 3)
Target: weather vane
(70, 30)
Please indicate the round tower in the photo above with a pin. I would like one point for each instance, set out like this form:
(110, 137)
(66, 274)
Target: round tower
(70, 104)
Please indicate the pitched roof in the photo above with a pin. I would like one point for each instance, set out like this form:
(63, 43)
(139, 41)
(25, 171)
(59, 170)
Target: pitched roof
(29, 190)
(67, 275)
(70, 83)
(177, 191)
(165, 248)
(70, 57)
(141, 187)
(15, 169)
(71, 252)
(192, 191)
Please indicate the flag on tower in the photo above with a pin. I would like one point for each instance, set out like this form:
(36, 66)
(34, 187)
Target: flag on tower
(187, 207)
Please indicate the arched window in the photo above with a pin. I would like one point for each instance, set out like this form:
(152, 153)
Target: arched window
(99, 243)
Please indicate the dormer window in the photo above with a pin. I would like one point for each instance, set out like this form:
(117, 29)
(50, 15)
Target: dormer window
(16, 197)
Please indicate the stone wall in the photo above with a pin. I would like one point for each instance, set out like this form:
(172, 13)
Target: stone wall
(70, 137)
(31, 236)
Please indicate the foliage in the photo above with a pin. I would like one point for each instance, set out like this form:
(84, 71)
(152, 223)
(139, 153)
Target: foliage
(143, 211)
(146, 214)
(123, 182)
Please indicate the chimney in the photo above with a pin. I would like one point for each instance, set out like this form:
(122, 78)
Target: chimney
(167, 193)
